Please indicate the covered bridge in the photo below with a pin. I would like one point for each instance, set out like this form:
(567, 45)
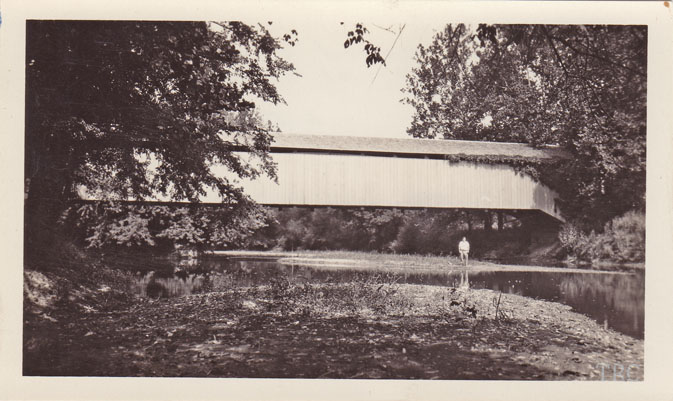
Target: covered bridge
(317, 170)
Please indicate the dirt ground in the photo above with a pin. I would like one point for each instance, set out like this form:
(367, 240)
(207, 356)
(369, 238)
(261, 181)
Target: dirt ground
(370, 329)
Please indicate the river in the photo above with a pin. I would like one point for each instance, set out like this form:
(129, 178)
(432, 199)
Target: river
(613, 300)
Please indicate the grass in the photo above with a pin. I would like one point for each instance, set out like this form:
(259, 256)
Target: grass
(388, 262)
(384, 257)
(420, 260)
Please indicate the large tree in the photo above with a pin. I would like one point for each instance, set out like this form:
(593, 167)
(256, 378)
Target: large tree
(136, 109)
(580, 87)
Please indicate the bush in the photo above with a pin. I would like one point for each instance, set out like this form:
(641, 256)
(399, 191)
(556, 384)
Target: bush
(622, 240)
(408, 239)
(570, 236)
(628, 237)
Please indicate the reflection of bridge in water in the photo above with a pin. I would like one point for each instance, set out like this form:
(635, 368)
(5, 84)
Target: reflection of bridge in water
(404, 173)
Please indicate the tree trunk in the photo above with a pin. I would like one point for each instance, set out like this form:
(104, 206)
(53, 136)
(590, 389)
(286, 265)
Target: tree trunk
(487, 220)
(501, 221)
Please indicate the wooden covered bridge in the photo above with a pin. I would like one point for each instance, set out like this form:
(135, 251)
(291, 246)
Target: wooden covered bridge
(403, 173)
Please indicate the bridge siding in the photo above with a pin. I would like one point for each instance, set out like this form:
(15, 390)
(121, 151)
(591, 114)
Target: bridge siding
(323, 179)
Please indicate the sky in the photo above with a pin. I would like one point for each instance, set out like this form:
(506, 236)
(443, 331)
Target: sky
(337, 94)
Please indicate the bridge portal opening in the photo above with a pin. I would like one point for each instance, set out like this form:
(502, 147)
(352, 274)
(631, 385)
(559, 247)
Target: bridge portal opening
(499, 235)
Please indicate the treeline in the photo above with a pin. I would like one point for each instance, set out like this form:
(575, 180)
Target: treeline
(428, 232)
(517, 237)
(115, 228)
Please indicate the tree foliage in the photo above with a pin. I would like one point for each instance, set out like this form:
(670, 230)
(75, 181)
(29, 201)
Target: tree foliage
(162, 227)
(395, 230)
(622, 240)
(358, 35)
(580, 87)
(136, 109)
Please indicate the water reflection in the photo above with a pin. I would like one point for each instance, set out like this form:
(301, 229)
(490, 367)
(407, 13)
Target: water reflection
(464, 280)
(614, 300)
(154, 286)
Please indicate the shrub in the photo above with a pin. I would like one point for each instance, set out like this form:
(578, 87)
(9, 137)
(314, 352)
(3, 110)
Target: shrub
(408, 239)
(622, 240)
(627, 235)
(570, 236)
(599, 247)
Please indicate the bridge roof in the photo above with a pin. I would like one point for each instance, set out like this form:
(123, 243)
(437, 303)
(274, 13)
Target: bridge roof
(410, 146)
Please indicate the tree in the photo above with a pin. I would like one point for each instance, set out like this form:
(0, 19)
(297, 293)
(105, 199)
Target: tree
(136, 109)
(165, 227)
(580, 87)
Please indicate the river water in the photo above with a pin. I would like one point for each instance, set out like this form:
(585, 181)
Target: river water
(613, 300)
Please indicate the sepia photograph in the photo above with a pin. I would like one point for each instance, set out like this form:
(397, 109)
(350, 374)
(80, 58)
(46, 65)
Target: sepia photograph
(375, 198)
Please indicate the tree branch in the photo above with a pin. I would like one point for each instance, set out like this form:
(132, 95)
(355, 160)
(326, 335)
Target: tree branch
(551, 43)
(596, 56)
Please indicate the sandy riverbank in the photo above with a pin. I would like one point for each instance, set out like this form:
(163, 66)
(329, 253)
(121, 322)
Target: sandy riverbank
(364, 329)
(384, 262)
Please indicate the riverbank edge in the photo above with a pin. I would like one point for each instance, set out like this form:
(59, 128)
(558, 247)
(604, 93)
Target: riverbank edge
(560, 344)
(391, 262)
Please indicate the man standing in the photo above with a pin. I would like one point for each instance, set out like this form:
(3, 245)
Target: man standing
(464, 250)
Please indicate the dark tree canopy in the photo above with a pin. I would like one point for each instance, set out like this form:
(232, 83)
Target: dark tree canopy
(133, 109)
(580, 87)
